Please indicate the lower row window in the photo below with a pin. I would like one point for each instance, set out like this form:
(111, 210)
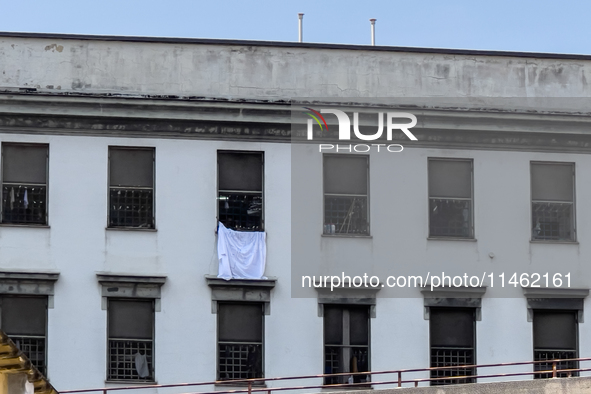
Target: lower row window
(24, 320)
(555, 337)
(452, 345)
(346, 343)
(241, 332)
(130, 340)
(240, 340)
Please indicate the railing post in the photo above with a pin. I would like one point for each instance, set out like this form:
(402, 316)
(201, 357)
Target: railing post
(416, 383)
(553, 369)
(399, 379)
(249, 387)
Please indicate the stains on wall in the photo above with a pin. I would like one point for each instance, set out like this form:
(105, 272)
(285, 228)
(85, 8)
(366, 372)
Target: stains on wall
(54, 47)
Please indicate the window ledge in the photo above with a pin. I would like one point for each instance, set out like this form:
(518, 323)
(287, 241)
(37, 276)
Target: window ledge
(451, 239)
(354, 386)
(24, 225)
(130, 229)
(229, 383)
(542, 241)
(213, 280)
(132, 382)
(346, 236)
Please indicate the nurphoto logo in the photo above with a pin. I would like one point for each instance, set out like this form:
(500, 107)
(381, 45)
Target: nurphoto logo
(345, 130)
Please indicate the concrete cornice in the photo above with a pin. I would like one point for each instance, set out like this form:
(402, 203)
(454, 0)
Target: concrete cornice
(491, 128)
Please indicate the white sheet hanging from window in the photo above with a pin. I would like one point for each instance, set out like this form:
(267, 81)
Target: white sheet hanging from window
(241, 254)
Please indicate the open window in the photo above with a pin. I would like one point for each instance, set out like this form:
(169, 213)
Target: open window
(450, 198)
(240, 190)
(131, 187)
(552, 205)
(24, 183)
(346, 203)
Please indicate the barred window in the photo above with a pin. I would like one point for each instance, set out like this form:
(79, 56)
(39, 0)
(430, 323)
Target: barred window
(552, 188)
(555, 337)
(24, 183)
(450, 198)
(131, 187)
(240, 340)
(24, 320)
(346, 342)
(240, 190)
(346, 203)
(452, 337)
(130, 340)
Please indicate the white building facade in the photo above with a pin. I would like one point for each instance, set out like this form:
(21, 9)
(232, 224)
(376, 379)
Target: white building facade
(120, 154)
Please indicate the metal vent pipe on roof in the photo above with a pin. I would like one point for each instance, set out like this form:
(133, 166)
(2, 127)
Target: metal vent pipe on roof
(373, 31)
(301, 27)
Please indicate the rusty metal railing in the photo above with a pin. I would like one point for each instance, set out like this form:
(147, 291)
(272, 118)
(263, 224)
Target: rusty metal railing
(255, 385)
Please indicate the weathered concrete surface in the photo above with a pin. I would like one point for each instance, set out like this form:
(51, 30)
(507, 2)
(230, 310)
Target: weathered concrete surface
(62, 64)
(545, 386)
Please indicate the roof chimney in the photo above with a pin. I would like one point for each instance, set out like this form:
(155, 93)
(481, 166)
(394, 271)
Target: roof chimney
(301, 27)
(373, 31)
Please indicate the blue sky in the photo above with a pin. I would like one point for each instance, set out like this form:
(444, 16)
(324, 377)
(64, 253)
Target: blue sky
(517, 25)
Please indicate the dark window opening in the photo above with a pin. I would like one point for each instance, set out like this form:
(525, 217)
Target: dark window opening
(346, 203)
(450, 198)
(24, 183)
(131, 187)
(240, 190)
(131, 340)
(552, 186)
(240, 341)
(555, 337)
(24, 320)
(346, 343)
(452, 337)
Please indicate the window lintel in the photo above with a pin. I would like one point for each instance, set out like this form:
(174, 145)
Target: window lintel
(130, 286)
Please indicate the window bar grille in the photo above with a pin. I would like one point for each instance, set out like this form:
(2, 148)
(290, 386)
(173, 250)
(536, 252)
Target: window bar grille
(333, 360)
(552, 220)
(122, 359)
(345, 214)
(450, 217)
(553, 354)
(34, 348)
(24, 203)
(449, 357)
(240, 360)
(241, 211)
(131, 207)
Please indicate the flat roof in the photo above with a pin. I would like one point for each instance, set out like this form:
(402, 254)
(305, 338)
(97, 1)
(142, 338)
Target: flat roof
(289, 44)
